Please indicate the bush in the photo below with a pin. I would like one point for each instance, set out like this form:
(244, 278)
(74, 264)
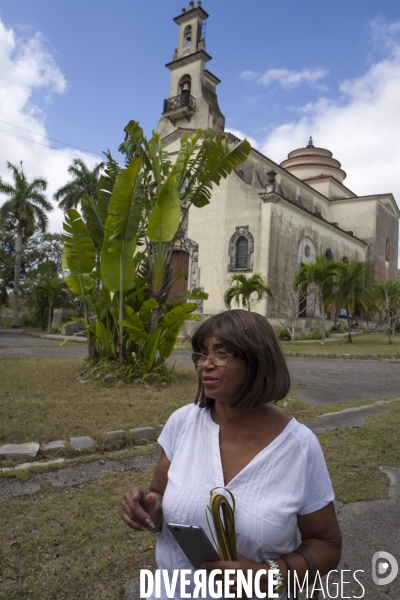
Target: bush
(338, 329)
(311, 335)
(283, 334)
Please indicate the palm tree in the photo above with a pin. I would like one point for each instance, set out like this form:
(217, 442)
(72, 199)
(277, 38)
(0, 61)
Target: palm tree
(26, 207)
(355, 289)
(319, 274)
(50, 287)
(83, 183)
(244, 287)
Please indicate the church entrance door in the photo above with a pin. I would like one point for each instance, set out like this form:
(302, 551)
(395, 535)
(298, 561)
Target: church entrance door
(180, 265)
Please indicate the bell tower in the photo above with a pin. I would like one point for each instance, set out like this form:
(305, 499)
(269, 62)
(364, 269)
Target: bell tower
(192, 100)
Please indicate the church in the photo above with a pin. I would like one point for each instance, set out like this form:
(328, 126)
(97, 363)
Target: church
(265, 218)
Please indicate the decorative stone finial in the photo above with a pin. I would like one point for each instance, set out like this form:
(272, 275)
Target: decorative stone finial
(198, 2)
(183, 9)
(310, 143)
(271, 176)
(191, 4)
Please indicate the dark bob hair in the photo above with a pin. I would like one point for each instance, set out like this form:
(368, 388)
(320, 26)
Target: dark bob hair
(250, 336)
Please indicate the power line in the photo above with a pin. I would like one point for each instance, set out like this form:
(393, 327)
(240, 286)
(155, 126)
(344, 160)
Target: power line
(47, 137)
(45, 145)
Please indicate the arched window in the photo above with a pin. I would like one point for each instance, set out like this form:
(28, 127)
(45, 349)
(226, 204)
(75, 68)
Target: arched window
(387, 249)
(241, 174)
(345, 259)
(328, 254)
(241, 250)
(188, 36)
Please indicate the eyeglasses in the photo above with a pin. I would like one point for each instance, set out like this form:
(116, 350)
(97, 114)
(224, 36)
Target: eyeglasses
(219, 357)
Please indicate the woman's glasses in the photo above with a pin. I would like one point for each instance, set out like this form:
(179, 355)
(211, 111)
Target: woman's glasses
(219, 357)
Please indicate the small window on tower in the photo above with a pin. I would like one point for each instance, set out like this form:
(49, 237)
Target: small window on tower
(188, 36)
(387, 249)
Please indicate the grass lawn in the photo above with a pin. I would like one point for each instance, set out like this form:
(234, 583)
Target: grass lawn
(41, 401)
(71, 544)
(365, 343)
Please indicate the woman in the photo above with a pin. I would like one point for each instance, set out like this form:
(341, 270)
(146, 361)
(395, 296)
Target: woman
(232, 437)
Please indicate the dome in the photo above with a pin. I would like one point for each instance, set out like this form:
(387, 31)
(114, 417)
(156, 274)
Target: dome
(311, 163)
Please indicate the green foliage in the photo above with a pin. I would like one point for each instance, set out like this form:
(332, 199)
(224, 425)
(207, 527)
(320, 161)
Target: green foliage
(83, 183)
(26, 209)
(311, 335)
(354, 289)
(338, 329)
(319, 274)
(133, 224)
(283, 334)
(243, 287)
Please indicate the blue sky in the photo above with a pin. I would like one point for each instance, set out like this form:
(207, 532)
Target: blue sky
(78, 71)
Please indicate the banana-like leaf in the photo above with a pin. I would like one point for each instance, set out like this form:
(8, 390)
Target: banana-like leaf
(79, 255)
(152, 347)
(111, 263)
(146, 308)
(79, 250)
(121, 229)
(178, 315)
(164, 220)
(189, 295)
(136, 334)
(93, 220)
(125, 207)
(133, 318)
(104, 191)
(104, 340)
(185, 153)
(79, 285)
(216, 160)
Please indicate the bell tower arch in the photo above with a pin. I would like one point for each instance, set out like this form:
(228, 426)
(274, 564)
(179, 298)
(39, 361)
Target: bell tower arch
(192, 100)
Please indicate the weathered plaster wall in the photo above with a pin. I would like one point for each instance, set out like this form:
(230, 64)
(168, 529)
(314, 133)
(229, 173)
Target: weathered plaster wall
(289, 226)
(234, 203)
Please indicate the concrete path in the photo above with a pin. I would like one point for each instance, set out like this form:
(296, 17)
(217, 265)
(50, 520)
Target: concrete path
(13, 342)
(329, 381)
(74, 476)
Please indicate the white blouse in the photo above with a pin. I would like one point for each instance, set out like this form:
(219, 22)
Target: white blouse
(287, 478)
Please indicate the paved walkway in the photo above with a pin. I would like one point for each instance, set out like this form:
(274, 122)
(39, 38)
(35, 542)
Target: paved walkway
(328, 381)
(14, 342)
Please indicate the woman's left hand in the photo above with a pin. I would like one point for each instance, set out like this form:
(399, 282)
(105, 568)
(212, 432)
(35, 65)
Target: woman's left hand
(241, 564)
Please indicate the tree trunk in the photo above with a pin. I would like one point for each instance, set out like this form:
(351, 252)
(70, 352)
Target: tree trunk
(154, 318)
(18, 254)
(292, 333)
(49, 322)
(349, 338)
(322, 309)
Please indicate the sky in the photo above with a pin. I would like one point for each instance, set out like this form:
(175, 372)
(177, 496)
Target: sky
(78, 71)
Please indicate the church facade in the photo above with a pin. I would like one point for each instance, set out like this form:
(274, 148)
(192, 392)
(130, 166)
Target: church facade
(265, 217)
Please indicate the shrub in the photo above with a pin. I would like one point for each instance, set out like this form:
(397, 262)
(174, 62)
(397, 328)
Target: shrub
(311, 335)
(283, 334)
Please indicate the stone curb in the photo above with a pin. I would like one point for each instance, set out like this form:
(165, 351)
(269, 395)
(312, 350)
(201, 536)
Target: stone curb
(394, 357)
(78, 443)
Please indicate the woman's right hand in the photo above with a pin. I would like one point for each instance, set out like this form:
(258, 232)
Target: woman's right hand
(141, 509)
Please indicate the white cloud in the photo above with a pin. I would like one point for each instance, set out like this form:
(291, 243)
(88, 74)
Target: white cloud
(248, 75)
(290, 79)
(360, 127)
(242, 135)
(27, 66)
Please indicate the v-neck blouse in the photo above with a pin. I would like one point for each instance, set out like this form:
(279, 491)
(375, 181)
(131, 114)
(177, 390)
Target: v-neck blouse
(286, 478)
